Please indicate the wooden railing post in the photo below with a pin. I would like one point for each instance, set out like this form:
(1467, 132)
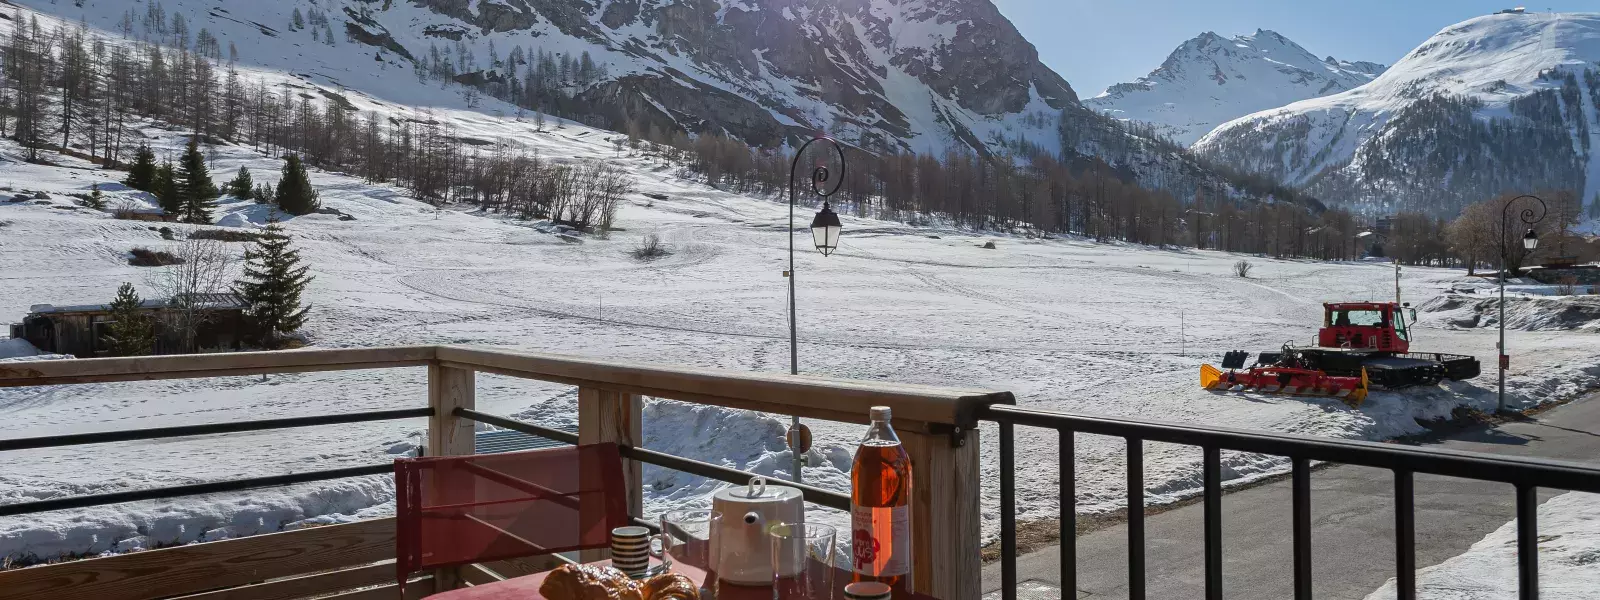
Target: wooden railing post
(450, 388)
(945, 530)
(608, 416)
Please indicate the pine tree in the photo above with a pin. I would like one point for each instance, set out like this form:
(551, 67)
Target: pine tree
(165, 187)
(296, 21)
(295, 194)
(142, 175)
(131, 332)
(241, 185)
(271, 286)
(96, 199)
(195, 186)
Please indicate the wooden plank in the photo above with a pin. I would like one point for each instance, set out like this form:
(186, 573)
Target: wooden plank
(416, 589)
(93, 370)
(207, 566)
(608, 416)
(945, 529)
(849, 400)
(448, 435)
(241, 372)
(527, 565)
(308, 585)
(706, 399)
(478, 574)
(449, 389)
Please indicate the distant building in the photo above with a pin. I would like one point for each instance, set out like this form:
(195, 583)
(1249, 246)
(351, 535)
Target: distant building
(80, 330)
(1513, 11)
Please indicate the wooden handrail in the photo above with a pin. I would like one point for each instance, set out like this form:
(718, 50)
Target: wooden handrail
(802, 395)
(192, 366)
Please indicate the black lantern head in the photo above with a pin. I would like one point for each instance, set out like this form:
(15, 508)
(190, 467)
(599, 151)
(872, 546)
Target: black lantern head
(1530, 240)
(825, 230)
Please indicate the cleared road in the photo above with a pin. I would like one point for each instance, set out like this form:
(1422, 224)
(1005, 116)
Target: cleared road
(1352, 523)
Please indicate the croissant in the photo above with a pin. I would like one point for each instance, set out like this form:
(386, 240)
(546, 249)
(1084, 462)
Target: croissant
(589, 582)
(671, 586)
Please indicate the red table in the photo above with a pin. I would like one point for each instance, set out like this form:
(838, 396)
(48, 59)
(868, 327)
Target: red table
(527, 588)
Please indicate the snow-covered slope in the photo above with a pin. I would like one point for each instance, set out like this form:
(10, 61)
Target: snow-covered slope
(923, 75)
(1210, 80)
(1500, 103)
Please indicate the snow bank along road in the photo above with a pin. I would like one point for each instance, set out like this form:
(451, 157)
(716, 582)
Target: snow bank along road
(1352, 523)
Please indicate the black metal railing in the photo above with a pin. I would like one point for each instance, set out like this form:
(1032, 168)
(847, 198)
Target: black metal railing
(194, 489)
(1526, 474)
(812, 494)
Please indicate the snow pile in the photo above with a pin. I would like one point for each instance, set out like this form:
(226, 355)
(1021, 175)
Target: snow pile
(1523, 312)
(1569, 558)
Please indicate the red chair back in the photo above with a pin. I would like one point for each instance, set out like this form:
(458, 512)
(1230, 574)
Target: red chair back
(457, 510)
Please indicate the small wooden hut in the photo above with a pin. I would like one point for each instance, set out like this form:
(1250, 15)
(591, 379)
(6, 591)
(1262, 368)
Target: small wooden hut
(80, 330)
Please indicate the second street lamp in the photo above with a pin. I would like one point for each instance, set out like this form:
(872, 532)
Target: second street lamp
(1530, 242)
(825, 228)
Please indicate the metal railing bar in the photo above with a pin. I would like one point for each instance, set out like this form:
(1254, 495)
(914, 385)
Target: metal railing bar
(1302, 528)
(1405, 535)
(1008, 513)
(233, 485)
(101, 437)
(1527, 542)
(812, 494)
(1454, 463)
(1213, 522)
(1069, 514)
(1136, 583)
(566, 437)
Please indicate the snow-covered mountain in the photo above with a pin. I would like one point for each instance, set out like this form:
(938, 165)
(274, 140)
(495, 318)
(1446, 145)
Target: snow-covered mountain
(1495, 104)
(1210, 80)
(921, 75)
(928, 76)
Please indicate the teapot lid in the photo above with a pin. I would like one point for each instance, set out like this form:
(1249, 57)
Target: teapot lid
(757, 491)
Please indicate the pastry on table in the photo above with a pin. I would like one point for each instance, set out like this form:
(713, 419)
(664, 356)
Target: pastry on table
(589, 582)
(671, 586)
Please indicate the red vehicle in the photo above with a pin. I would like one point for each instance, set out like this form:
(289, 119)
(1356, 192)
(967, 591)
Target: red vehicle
(1360, 343)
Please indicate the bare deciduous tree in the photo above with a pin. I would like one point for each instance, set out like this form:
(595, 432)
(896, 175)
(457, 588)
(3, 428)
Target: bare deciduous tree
(192, 286)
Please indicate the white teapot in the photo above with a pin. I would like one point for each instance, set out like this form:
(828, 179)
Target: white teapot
(742, 548)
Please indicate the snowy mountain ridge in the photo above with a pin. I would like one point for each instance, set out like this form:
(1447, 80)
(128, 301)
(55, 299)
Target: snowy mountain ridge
(1494, 104)
(1210, 80)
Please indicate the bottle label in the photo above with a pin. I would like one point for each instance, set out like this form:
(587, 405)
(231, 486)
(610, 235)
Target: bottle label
(880, 540)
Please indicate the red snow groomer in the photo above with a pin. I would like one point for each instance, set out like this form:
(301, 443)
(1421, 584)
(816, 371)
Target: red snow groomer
(1361, 344)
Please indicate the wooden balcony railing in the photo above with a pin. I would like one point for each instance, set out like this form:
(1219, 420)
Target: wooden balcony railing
(355, 561)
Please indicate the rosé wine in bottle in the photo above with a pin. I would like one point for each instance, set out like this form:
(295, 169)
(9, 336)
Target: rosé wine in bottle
(880, 502)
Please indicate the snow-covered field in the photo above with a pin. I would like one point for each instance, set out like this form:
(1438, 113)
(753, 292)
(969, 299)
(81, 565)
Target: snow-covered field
(1064, 323)
(1569, 558)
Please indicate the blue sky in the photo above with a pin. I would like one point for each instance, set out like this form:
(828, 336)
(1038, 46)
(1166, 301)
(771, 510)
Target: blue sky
(1096, 44)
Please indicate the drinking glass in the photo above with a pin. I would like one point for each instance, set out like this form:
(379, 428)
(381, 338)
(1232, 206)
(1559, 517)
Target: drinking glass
(802, 561)
(686, 541)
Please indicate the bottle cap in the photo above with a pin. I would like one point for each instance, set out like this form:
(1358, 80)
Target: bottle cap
(880, 413)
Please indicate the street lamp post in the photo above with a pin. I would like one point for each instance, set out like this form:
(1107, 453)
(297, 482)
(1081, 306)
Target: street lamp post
(825, 227)
(1530, 241)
